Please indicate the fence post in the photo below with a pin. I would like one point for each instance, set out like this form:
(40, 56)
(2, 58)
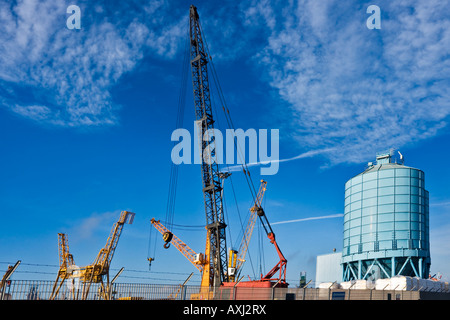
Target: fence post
(273, 288)
(234, 287)
(183, 292)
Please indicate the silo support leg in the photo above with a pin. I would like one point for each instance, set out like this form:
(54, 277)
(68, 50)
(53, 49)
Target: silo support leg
(352, 271)
(404, 264)
(392, 267)
(382, 269)
(359, 269)
(420, 268)
(414, 268)
(368, 270)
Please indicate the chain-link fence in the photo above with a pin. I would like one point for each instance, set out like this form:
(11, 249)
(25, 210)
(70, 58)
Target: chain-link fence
(42, 289)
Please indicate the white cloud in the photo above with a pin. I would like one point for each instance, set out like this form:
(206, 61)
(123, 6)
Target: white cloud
(351, 91)
(70, 73)
(33, 112)
(358, 90)
(87, 227)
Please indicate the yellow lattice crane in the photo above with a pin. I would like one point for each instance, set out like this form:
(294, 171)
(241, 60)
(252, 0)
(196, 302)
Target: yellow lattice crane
(97, 272)
(237, 258)
(66, 264)
(5, 278)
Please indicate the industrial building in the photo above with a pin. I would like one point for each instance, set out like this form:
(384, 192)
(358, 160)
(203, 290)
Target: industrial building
(386, 225)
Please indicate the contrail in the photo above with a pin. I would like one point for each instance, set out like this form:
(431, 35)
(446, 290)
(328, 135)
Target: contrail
(339, 215)
(307, 154)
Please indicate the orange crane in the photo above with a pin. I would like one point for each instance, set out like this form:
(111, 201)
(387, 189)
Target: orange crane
(237, 258)
(199, 260)
(97, 272)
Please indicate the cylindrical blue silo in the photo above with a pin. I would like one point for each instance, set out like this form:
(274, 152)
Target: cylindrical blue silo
(386, 222)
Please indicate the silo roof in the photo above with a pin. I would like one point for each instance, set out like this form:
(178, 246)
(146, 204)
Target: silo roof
(384, 166)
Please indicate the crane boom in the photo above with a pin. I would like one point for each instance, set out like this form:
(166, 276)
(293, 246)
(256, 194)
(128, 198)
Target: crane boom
(6, 277)
(200, 261)
(212, 195)
(65, 258)
(190, 254)
(237, 259)
(106, 254)
(100, 268)
(94, 272)
(281, 265)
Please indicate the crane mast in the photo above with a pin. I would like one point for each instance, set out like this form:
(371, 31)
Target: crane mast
(210, 170)
(65, 263)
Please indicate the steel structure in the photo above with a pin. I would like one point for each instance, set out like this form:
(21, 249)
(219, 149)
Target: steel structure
(386, 222)
(280, 267)
(66, 264)
(237, 258)
(6, 277)
(215, 222)
(276, 277)
(199, 260)
(97, 272)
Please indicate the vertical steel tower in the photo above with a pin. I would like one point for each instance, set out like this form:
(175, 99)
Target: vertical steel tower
(210, 178)
(386, 222)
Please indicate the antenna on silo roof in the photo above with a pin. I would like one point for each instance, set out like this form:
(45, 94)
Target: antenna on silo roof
(402, 159)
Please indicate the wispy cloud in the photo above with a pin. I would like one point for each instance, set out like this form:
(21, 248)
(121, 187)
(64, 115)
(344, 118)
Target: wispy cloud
(331, 216)
(86, 228)
(68, 74)
(354, 89)
(440, 204)
(349, 90)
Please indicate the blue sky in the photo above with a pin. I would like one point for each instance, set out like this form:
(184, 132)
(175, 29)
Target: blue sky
(86, 117)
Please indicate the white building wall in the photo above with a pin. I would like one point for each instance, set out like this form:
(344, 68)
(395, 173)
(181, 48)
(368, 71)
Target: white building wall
(329, 268)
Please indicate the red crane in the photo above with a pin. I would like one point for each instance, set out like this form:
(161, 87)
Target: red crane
(280, 267)
(276, 277)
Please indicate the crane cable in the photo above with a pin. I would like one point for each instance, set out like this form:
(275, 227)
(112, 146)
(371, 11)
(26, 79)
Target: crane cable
(229, 120)
(238, 149)
(173, 181)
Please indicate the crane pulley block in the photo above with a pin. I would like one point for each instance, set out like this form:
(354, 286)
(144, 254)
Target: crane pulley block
(167, 236)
